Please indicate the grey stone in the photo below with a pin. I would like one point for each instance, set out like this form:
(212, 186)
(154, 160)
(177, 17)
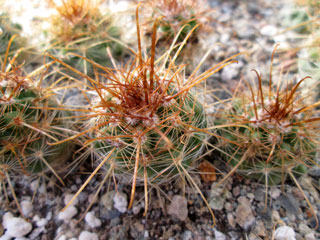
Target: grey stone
(217, 196)
(259, 195)
(178, 207)
(244, 214)
(289, 203)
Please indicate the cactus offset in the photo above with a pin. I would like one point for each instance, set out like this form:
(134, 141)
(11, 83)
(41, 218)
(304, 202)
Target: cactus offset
(278, 134)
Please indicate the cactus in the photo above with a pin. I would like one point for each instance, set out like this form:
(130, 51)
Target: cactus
(7, 31)
(275, 133)
(79, 27)
(27, 123)
(146, 124)
(177, 19)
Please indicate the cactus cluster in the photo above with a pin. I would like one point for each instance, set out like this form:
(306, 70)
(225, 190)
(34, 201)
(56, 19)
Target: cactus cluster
(272, 133)
(26, 123)
(80, 27)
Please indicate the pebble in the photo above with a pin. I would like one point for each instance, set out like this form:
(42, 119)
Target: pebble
(219, 235)
(187, 235)
(259, 195)
(26, 207)
(259, 229)
(17, 227)
(269, 30)
(92, 220)
(85, 235)
(120, 202)
(228, 206)
(217, 196)
(42, 222)
(244, 215)
(68, 197)
(304, 229)
(5, 219)
(236, 191)
(231, 220)
(284, 233)
(107, 200)
(136, 209)
(310, 236)
(67, 214)
(274, 192)
(178, 207)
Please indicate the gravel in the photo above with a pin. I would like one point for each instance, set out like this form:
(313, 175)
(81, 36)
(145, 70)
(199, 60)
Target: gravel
(174, 213)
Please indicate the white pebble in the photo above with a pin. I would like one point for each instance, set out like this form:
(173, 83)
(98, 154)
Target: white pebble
(92, 220)
(62, 237)
(68, 214)
(34, 185)
(18, 227)
(5, 237)
(85, 235)
(120, 202)
(285, 233)
(26, 207)
(5, 219)
(68, 197)
(42, 222)
(269, 30)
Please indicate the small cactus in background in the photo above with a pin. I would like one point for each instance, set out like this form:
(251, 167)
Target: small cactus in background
(177, 18)
(80, 27)
(277, 134)
(146, 124)
(7, 31)
(27, 123)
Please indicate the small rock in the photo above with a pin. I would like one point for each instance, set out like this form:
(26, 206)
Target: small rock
(187, 235)
(228, 206)
(5, 219)
(284, 233)
(274, 192)
(310, 236)
(136, 209)
(290, 203)
(304, 229)
(236, 191)
(5, 237)
(67, 214)
(63, 237)
(231, 220)
(107, 200)
(42, 222)
(227, 74)
(217, 196)
(26, 207)
(17, 227)
(34, 185)
(178, 207)
(297, 193)
(269, 30)
(120, 202)
(219, 235)
(68, 197)
(259, 195)
(85, 235)
(244, 215)
(259, 229)
(92, 220)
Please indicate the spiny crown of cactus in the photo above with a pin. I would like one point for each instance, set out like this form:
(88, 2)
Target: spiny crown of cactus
(177, 17)
(25, 123)
(80, 27)
(146, 123)
(277, 134)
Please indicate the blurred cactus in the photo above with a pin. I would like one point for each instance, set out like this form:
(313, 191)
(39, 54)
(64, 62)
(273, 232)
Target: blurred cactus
(276, 133)
(177, 18)
(26, 121)
(80, 27)
(7, 31)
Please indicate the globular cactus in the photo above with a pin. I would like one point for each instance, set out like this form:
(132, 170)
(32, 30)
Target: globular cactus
(146, 124)
(177, 18)
(80, 27)
(7, 31)
(27, 123)
(271, 133)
